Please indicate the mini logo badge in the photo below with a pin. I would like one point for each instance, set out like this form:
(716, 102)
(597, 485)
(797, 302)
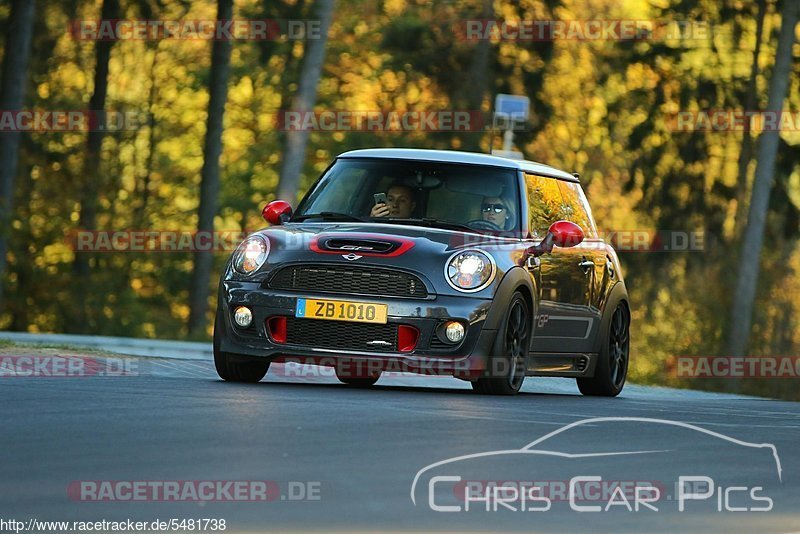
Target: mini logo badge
(351, 256)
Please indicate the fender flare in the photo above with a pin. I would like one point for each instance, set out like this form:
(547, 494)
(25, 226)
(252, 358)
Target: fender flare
(514, 279)
(618, 293)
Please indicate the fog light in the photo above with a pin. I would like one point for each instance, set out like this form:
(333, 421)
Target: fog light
(454, 331)
(243, 316)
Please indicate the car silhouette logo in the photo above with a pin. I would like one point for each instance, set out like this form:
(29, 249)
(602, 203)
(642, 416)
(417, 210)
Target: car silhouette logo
(533, 448)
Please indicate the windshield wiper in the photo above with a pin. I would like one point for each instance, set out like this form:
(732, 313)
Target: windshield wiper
(428, 221)
(328, 215)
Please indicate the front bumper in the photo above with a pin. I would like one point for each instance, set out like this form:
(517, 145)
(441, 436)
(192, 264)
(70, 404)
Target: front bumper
(465, 360)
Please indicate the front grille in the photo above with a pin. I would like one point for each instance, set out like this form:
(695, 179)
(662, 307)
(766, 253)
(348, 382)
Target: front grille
(341, 335)
(438, 344)
(349, 280)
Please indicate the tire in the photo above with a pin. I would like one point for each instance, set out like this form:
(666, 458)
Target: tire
(612, 365)
(508, 361)
(358, 380)
(233, 367)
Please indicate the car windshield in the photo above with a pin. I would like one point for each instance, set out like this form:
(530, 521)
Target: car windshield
(449, 195)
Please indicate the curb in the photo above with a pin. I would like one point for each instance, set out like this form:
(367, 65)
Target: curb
(148, 348)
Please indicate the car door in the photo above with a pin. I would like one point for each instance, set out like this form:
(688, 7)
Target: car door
(590, 255)
(565, 319)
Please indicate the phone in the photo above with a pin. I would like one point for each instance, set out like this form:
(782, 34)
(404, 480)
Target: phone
(380, 198)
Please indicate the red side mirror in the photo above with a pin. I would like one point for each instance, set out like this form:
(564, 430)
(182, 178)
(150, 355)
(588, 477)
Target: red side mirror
(277, 212)
(566, 234)
(561, 233)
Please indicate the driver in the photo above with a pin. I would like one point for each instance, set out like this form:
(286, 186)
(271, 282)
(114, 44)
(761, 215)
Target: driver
(399, 203)
(498, 211)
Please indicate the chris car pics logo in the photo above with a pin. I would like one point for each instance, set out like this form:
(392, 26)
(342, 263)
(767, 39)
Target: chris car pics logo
(444, 486)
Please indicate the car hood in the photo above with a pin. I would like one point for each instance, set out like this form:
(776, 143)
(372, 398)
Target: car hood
(418, 249)
(358, 238)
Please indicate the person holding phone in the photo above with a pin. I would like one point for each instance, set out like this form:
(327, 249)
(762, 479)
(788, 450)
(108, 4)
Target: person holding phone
(397, 202)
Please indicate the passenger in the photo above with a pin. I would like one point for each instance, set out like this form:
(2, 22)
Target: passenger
(498, 211)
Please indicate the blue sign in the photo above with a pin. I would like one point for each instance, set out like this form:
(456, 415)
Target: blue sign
(512, 106)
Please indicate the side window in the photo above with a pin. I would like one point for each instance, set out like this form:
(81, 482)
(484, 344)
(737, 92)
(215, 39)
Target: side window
(576, 207)
(545, 203)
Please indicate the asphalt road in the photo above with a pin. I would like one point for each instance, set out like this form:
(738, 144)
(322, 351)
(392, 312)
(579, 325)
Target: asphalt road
(356, 453)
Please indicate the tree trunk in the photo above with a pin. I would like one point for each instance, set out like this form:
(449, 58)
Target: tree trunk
(209, 184)
(310, 74)
(749, 262)
(92, 179)
(12, 97)
(140, 211)
(746, 154)
(477, 81)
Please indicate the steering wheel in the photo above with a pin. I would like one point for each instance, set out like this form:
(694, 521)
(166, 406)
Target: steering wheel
(480, 224)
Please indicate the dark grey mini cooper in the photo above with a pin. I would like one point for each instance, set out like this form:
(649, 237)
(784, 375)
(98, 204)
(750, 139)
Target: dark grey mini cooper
(435, 262)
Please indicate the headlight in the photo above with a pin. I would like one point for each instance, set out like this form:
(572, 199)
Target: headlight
(251, 254)
(470, 270)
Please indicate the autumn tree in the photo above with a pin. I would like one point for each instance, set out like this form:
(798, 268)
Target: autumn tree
(209, 177)
(752, 243)
(92, 177)
(304, 101)
(12, 97)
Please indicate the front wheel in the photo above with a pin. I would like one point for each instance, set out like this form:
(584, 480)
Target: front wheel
(233, 368)
(612, 365)
(508, 361)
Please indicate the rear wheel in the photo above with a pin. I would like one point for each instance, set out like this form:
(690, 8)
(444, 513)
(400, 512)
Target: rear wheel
(232, 367)
(508, 362)
(612, 365)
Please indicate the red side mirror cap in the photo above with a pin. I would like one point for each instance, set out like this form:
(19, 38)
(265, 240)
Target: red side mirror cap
(277, 212)
(561, 233)
(566, 234)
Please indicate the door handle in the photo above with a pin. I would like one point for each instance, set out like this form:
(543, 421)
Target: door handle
(610, 267)
(586, 264)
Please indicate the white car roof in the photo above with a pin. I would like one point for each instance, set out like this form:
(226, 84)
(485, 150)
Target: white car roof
(455, 156)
